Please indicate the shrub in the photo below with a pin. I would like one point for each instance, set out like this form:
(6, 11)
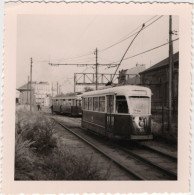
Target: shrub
(64, 165)
(38, 157)
(24, 159)
(37, 129)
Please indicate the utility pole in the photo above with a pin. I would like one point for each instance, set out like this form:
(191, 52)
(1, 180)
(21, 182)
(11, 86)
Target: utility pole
(57, 88)
(27, 89)
(74, 82)
(96, 52)
(52, 89)
(85, 64)
(170, 75)
(31, 84)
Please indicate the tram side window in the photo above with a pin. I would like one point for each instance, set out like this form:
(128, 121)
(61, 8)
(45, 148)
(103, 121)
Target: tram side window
(86, 104)
(79, 103)
(95, 103)
(102, 104)
(72, 102)
(69, 102)
(83, 103)
(121, 104)
(110, 103)
(90, 102)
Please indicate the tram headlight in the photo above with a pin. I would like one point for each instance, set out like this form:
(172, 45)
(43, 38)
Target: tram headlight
(141, 123)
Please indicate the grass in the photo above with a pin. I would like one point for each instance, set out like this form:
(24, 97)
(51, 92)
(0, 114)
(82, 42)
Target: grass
(38, 155)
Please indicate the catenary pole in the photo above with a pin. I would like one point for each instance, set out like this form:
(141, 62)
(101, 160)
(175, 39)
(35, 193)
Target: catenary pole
(31, 84)
(74, 82)
(170, 75)
(52, 89)
(96, 53)
(57, 88)
(27, 90)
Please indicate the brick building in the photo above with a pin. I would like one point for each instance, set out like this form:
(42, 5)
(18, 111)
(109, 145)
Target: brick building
(156, 77)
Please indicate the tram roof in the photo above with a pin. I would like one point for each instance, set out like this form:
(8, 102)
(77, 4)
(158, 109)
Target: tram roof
(126, 90)
(67, 97)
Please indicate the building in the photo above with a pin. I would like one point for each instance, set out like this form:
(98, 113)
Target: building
(157, 78)
(24, 96)
(131, 76)
(41, 93)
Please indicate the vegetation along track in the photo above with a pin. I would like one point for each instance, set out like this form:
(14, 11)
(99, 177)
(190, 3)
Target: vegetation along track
(142, 165)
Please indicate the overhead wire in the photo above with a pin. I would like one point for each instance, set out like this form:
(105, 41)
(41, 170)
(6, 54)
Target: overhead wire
(144, 52)
(102, 50)
(135, 30)
(126, 52)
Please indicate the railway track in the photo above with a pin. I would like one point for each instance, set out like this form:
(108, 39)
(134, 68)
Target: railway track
(155, 159)
(143, 164)
(120, 164)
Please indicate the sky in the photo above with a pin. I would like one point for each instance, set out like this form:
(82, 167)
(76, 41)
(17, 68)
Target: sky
(64, 38)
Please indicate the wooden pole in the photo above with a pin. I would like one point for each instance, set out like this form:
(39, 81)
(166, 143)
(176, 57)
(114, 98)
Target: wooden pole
(30, 84)
(170, 75)
(96, 52)
(27, 90)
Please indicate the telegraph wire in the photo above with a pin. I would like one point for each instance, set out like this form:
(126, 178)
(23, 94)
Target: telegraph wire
(135, 30)
(102, 50)
(145, 51)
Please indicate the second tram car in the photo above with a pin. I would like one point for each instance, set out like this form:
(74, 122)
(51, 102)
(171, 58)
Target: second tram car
(122, 112)
(67, 105)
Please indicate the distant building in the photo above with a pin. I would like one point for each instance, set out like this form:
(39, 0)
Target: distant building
(131, 76)
(24, 96)
(156, 77)
(17, 97)
(41, 93)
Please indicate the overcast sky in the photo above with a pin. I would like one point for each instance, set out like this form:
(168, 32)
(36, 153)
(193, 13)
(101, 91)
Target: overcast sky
(60, 37)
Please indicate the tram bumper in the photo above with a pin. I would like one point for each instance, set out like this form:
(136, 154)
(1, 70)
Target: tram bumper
(141, 137)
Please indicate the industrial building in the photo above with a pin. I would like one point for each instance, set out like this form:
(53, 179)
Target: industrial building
(40, 94)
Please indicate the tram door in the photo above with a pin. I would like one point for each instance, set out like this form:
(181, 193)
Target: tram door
(110, 111)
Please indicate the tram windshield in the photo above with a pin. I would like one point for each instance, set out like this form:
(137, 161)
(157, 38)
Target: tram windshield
(121, 104)
(139, 105)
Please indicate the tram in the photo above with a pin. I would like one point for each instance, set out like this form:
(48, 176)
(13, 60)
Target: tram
(69, 105)
(122, 112)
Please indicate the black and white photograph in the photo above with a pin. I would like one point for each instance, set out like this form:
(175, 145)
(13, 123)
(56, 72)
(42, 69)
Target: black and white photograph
(98, 97)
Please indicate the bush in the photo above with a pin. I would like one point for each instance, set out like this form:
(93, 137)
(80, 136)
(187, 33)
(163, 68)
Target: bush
(38, 157)
(24, 159)
(37, 129)
(64, 165)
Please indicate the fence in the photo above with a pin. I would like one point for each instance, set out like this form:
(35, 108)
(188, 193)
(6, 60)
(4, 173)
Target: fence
(160, 114)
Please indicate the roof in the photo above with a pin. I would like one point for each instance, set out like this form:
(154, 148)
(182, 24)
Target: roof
(162, 63)
(24, 87)
(135, 70)
(126, 90)
(67, 97)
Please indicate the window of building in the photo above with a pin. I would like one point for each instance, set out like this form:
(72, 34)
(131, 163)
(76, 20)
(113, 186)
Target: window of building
(95, 103)
(102, 104)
